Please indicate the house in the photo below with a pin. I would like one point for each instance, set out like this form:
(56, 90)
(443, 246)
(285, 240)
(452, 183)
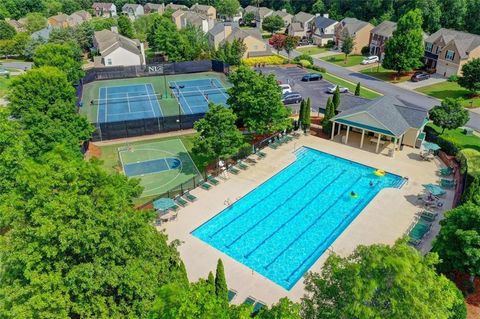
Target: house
(17, 25)
(286, 17)
(379, 35)
(175, 7)
(42, 35)
(295, 29)
(356, 29)
(177, 17)
(383, 119)
(252, 38)
(205, 10)
(323, 29)
(260, 14)
(154, 8)
(104, 9)
(58, 21)
(303, 24)
(195, 19)
(133, 11)
(78, 17)
(116, 50)
(448, 50)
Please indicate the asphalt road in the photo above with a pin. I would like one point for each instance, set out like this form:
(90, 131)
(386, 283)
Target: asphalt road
(407, 96)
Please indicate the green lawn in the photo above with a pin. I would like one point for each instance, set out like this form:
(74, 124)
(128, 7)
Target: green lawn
(4, 82)
(385, 75)
(312, 50)
(450, 89)
(458, 138)
(339, 59)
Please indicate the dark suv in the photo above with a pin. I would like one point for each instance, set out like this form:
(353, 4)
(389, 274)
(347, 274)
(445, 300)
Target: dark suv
(419, 76)
(311, 77)
(292, 98)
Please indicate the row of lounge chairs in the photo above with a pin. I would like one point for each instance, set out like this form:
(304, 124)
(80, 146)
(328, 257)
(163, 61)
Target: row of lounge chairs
(250, 301)
(274, 144)
(421, 227)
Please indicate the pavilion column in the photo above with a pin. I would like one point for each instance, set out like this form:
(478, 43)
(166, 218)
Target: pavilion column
(339, 129)
(348, 131)
(333, 130)
(361, 140)
(395, 143)
(378, 142)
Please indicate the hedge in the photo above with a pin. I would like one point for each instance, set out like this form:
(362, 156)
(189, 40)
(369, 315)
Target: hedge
(447, 146)
(304, 57)
(269, 60)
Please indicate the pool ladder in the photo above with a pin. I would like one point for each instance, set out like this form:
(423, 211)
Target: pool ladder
(299, 153)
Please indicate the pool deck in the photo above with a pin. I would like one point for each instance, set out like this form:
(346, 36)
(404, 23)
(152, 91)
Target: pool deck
(386, 218)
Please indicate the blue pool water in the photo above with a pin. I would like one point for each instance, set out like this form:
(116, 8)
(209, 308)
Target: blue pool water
(283, 226)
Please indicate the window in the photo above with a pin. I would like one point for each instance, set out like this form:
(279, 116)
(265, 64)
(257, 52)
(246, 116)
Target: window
(450, 55)
(109, 61)
(429, 47)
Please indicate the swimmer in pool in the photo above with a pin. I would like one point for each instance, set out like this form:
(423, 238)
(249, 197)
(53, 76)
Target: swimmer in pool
(353, 194)
(371, 184)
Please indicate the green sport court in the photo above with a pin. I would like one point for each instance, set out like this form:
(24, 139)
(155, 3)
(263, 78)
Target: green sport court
(166, 102)
(160, 166)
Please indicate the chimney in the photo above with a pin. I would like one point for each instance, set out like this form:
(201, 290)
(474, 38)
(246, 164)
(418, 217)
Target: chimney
(325, 15)
(114, 29)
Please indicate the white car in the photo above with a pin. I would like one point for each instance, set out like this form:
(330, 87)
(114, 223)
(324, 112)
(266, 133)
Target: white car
(371, 59)
(286, 88)
(341, 89)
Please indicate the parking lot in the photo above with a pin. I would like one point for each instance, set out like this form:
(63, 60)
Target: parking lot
(315, 90)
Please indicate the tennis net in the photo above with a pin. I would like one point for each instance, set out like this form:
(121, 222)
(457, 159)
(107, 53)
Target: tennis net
(128, 99)
(180, 93)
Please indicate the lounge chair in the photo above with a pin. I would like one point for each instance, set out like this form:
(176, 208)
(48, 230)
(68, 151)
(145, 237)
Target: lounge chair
(446, 171)
(258, 305)
(296, 135)
(447, 183)
(250, 301)
(251, 161)
(428, 216)
(233, 170)
(205, 186)
(191, 198)
(212, 180)
(231, 294)
(180, 201)
(261, 154)
(242, 165)
(174, 208)
(274, 145)
(414, 242)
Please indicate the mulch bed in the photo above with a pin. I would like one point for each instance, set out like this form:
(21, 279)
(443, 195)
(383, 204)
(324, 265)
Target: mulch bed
(93, 151)
(472, 299)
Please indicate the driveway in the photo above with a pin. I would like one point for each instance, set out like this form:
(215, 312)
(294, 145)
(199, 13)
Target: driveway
(434, 79)
(315, 90)
(407, 96)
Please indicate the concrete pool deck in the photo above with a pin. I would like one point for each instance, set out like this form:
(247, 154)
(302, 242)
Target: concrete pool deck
(386, 218)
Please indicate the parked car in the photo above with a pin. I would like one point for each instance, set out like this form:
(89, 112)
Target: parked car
(286, 88)
(4, 72)
(371, 59)
(419, 76)
(341, 89)
(292, 98)
(311, 77)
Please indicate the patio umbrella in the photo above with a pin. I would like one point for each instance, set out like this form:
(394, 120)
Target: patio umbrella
(428, 146)
(163, 204)
(434, 189)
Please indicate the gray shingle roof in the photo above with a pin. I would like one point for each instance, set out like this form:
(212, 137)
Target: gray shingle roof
(108, 41)
(323, 22)
(465, 42)
(282, 14)
(353, 25)
(385, 29)
(303, 17)
(393, 114)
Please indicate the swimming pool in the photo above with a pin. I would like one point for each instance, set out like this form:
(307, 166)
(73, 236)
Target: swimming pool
(283, 226)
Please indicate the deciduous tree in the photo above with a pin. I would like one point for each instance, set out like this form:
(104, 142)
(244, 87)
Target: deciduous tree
(470, 78)
(318, 7)
(347, 47)
(290, 44)
(450, 114)
(277, 41)
(283, 309)
(227, 8)
(35, 21)
(7, 32)
(273, 24)
(231, 52)
(125, 26)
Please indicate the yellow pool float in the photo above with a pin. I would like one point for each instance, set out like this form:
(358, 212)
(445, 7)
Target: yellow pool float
(379, 172)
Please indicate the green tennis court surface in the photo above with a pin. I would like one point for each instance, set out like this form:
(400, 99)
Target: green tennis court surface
(161, 166)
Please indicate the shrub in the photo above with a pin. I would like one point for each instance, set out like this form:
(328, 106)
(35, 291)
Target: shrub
(447, 146)
(305, 63)
(305, 57)
(365, 51)
(270, 60)
(330, 44)
(318, 68)
(453, 78)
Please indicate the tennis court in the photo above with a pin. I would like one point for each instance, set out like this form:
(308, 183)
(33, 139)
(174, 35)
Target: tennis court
(160, 166)
(127, 102)
(195, 95)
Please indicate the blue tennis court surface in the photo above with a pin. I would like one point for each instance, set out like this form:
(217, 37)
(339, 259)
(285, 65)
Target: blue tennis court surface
(153, 166)
(128, 102)
(195, 95)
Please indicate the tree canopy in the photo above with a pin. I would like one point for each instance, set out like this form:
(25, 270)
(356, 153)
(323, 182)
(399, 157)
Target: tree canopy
(7, 32)
(347, 46)
(290, 43)
(227, 8)
(450, 114)
(470, 78)
(381, 281)
(231, 52)
(256, 99)
(273, 23)
(125, 26)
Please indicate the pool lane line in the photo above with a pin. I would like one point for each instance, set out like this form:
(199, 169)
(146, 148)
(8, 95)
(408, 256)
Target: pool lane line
(293, 216)
(258, 202)
(276, 207)
(331, 233)
(316, 220)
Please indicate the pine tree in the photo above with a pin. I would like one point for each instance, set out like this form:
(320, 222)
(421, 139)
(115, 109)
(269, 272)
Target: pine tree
(306, 115)
(329, 114)
(357, 89)
(336, 99)
(211, 281)
(221, 289)
(301, 114)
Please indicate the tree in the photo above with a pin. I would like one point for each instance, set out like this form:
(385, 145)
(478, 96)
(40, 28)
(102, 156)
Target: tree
(277, 41)
(453, 14)
(472, 193)
(257, 101)
(470, 78)
(284, 309)
(125, 26)
(301, 114)
(35, 21)
(357, 89)
(450, 114)
(273, 24)
(457, 244)
(336, 99)
(329, 114)
(248, 18)
(66, 57)
(405, 49)
(290, 44)
(471, 17)
(164, 37)
(380, 281)
(7, 32)
(347, 47)
(318, 7)
(217, 137)
(306, 120)
(227, 8)
(211, 281)
(231, 52)
(221, 289)
(194, 43)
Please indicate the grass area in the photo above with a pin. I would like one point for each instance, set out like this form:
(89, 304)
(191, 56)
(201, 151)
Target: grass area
(11, 60)
(458, 138)
(472, 157)
(447, 89)
(4, 83)
(339, 59)
(169, 105)
(312, 50)
(385, 75)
